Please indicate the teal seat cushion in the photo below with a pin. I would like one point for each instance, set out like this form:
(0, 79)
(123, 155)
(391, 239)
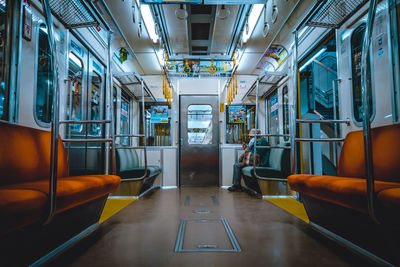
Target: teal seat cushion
(138, 172)
(263, 172)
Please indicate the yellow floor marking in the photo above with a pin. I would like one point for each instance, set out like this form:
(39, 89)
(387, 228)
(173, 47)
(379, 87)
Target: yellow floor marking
(113, 205)
(292, 206)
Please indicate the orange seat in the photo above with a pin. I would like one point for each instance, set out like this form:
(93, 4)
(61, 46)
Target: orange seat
(389, 204)
(347, 192)
(22, 207)
(24, 178)
(74, 191)
(349, 189)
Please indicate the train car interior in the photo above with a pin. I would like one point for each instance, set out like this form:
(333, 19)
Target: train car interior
(199, 133)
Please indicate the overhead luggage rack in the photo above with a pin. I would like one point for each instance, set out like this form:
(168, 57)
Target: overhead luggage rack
(269, 80)
(74, 13)
(333, 13)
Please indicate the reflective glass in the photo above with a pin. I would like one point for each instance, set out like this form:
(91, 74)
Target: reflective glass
(124, 130)
(199, 124)
(95, 100)
(285, 102)
(75, 73)
(273, 117)
(44, 78)
(3, 40)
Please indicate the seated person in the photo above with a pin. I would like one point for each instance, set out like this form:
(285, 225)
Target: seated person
(246, 158)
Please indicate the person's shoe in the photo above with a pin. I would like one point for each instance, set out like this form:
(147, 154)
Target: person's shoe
(234, 188)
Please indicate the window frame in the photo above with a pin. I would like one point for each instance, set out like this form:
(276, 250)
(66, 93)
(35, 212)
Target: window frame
(373, 111)
(226, 121)
(285, 90)
(70, 96)
(36, 58)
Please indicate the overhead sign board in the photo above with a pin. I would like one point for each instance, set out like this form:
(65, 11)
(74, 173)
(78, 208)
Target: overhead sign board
(204, 2)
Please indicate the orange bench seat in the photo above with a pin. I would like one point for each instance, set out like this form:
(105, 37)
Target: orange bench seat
(74, 191)
(21, 206)
(344, 191)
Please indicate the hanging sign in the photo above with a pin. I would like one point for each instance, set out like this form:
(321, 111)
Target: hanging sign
(159, 114)
(273, 58)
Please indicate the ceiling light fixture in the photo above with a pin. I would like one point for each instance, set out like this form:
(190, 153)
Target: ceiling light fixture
(252, 21)
(223, 12)
(149, 22)
(181, 13)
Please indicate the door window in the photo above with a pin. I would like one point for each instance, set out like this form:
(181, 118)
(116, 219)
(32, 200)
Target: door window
(75, 74)
(44, 78)
(199, 125)
(357, 38)
(95, 103)
(273, 117)
(125, 111)
(3, 41)
(285, 101)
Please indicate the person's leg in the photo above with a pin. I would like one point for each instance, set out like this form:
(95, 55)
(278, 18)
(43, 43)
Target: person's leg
(237, 174)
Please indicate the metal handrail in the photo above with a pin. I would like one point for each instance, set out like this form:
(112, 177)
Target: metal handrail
(347, 121)
(319, 139)
(255, 143)
(102, 140)
(130, 135)
(86, 122)
(276, 135)
(130, 147)
(366, 118)
(283, 147)
(50, 212)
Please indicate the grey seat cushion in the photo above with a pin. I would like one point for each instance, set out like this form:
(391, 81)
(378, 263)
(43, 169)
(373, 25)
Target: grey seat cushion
(128, 165)
(262, 171)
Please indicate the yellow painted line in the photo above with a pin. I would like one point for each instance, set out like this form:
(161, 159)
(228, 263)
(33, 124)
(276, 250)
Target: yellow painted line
(292, 206)
(113, 206)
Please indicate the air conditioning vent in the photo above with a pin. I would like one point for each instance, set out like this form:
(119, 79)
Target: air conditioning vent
(199, 48)
(200, 9)
(200, 31)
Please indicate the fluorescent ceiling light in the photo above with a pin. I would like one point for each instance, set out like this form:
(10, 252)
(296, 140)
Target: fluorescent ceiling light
(312, 59)
(149, 22)
(252, 21)
(75, 59)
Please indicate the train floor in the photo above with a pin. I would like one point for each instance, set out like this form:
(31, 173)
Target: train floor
(205, 227)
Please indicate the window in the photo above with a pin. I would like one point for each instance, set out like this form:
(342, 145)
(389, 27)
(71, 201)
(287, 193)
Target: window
(158, 124)
(75, 74)
(273, 117)
(3, 41)
(199, 124)
(357, 38)
(285, 101)
(240, 119)
(44, 78)
(125, 120)
(95, 103)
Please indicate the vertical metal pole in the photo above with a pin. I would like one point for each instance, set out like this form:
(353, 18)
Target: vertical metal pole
(255, 134)
(55, 121)
(335, 118)
(111, 109)
(294, 109)
(366, 85)
(144, 129)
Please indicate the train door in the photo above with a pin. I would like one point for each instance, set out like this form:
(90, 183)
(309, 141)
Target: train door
(199, 141)
(318, 100)
(86, 78)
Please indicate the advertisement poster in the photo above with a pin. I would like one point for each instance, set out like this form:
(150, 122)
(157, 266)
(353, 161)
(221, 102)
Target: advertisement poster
(159, 114)
(198, 67)
(273, 58)
(237, 114)
(274, 105)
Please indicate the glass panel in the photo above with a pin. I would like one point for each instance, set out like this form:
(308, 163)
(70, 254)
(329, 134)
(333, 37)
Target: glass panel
(75, 73)
(285, 102)
(199, 124)
(44, 78)
(356, 49)
(158, 123)
(95, 103)
(3, 40)
(273, 117)
(237, 130)
(125, 108)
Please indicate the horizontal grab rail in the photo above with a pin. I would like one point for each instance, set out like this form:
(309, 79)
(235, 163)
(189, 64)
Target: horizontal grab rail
(130, 135)
(347, 121)
(87, 140)
(86, 122)
(284, 147)
(278, 135)
(272, 179)
(319, 139)
(130, 147)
